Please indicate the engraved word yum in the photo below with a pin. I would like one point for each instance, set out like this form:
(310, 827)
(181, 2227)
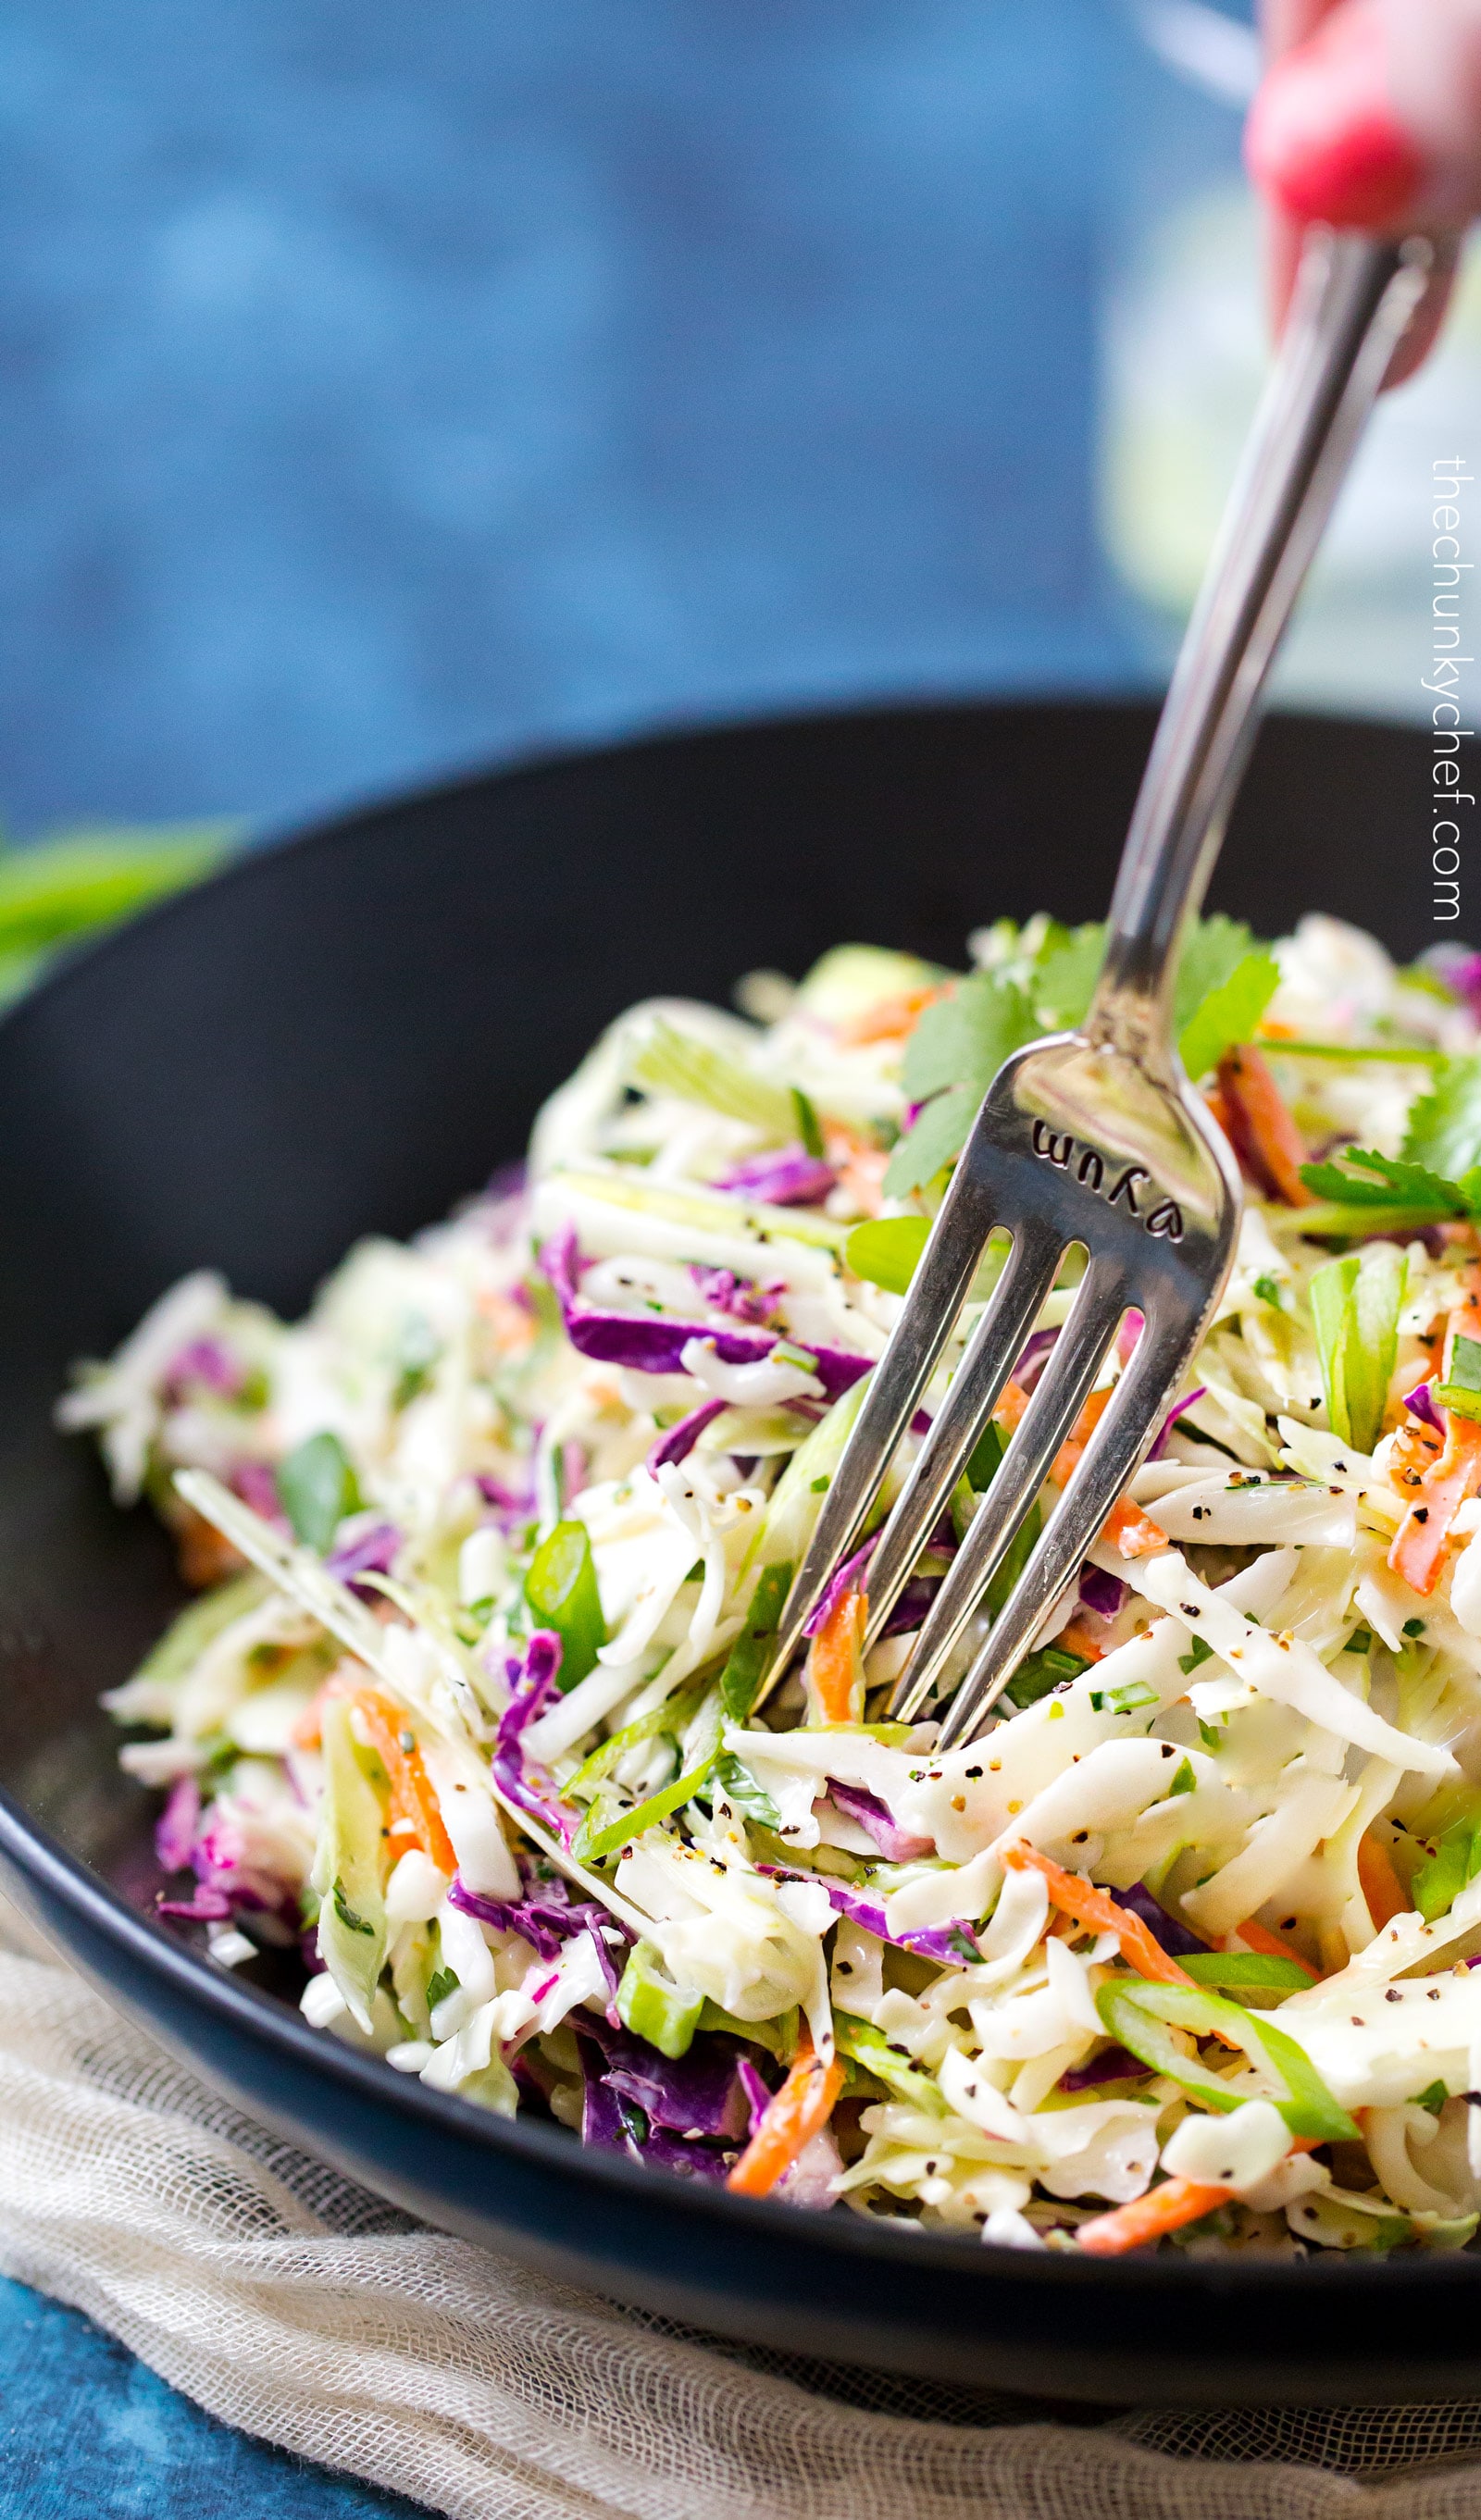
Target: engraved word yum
(1166, 1218)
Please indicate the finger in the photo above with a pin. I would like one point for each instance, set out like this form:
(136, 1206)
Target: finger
(1371, 119)
(1283, 25)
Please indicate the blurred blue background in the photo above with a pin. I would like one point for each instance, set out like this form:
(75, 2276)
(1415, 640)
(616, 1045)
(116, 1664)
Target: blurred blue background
(382, 388)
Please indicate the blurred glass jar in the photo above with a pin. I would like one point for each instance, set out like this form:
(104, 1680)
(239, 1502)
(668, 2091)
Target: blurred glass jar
(1184, 351)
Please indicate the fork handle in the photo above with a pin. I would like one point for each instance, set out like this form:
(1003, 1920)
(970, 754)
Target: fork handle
(1354, 298)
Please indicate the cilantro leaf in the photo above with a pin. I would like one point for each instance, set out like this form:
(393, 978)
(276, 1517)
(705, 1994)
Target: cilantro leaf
(954, 1054)
(1225, 981)
(1229, 1012)
(1066, 972)
(1444, 1124)
(1212, 952)
(1362, 1178)
(937, 1137)
(317, 1488)
(963, 1039)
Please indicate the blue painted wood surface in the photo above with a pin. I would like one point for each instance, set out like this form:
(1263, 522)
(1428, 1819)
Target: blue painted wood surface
(86, 2433)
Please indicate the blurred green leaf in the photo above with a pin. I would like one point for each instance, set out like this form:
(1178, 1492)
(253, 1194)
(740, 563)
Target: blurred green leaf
(88, 879)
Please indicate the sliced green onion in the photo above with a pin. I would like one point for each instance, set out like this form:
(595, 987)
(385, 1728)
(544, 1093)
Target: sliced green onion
(653, 2007)
(745, 1668)
(594, 1841)
(1396, 1053)
(1457, 1859)
(1222, 1970)
(561, 1590)
(868, 2047)
(1135, 2012)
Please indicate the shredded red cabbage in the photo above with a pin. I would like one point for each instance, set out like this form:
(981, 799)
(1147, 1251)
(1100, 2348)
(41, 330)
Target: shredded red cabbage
(175, 1829)
(546, 1915)
(789, 1178)
(1419, 1400)
(954, 1945)
(207, 1907)
(532, 1683)
(1460, 970)
(1170, 1420)
(756, 2089)
(654, 1342)
(1176, 1939)
(849, 1578)
(254, 1482)
(698, 2093)
(369, 1553)
(1112, 2065)
(509, 1509)
(895, 1844)
(680, 1441)
(1102, 1592)
(1037, 1349)
(611, 2118)
(206, 1364)
(909, 1613)
(741, 1297)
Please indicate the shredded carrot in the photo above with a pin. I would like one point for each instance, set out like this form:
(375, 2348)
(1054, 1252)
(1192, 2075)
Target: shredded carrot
(1071, 1452)
(792, 2117)
(1260, 1126)
(1133, 1532)
(1220, 1110)
(835, 1665)
(308, 1733)
(514, 1327)
(1379, 1883)
(1011, 1409)
(1258, 1938)
(860, 1165)
(1150, 2217)
(1097, 1912)
(1270, 1030)
(1076, 1639)
(205, 1556)
(414, 1808)
(1418, 1550)
(888, 1020)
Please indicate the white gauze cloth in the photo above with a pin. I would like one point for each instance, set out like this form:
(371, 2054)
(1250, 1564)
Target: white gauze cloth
(298, 2306)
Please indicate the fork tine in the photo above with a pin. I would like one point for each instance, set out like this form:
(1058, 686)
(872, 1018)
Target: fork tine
(937, 1292)
(1049, 1415)
(994, 1344)
(1112, 1455)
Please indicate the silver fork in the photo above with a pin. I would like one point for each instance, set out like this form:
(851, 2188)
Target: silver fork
(1094, 1138)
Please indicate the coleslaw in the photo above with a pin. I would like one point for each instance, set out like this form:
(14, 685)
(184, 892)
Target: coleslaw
(475, 1706)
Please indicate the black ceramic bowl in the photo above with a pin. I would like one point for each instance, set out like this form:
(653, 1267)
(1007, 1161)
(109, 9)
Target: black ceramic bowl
(347, 1034)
